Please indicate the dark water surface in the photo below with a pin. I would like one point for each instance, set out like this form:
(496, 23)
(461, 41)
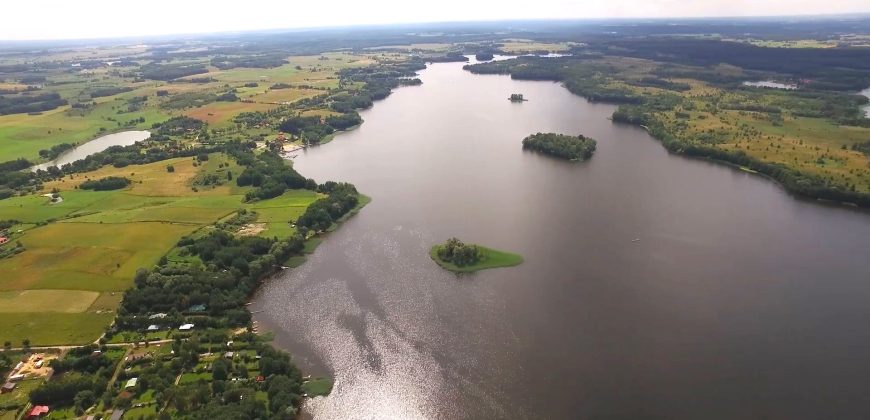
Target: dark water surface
(738, 301)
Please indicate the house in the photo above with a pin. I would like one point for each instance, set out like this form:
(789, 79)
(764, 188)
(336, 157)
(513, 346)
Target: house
(16, 378)
(131, 383)
(229, 355)
(8, 387)
(185, 327)
(3, 240)
(153, 327)
(37, 412)
(197, 308)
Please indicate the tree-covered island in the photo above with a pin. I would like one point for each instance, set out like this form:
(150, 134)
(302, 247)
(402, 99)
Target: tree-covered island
(459, 257)
(561, 145)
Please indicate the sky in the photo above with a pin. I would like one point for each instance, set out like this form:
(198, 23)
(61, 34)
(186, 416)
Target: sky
(70, 19)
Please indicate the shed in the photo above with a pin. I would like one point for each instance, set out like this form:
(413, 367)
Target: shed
(131, 383)
(16, 378)
(8, 387)
(229, 355)
(153, 327)
(186, 327)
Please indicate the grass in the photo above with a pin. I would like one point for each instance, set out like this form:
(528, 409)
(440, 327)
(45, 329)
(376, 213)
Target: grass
(64, 301)
(492, 258)
(188, 378)
(318, 387)
(46, 328)
(18, 397)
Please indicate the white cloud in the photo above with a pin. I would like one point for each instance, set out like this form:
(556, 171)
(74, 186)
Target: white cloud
(51, 19)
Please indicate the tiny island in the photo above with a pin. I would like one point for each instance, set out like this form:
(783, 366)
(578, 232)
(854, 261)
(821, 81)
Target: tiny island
(517, 97)
(575, 148)
(459, 257)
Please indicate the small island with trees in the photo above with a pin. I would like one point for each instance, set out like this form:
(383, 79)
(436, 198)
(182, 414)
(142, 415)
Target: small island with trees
(517, 97)
(459, 257)
(576, 148)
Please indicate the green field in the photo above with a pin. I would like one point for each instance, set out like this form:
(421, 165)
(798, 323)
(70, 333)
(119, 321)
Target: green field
(492, 258)
(83, 252)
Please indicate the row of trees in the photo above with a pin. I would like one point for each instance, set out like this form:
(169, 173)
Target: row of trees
(105, 184)
(20, 104)
(321, 214)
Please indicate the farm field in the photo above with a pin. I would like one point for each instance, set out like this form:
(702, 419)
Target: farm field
(83, 252)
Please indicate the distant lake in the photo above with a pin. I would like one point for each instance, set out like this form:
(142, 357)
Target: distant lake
(866, 92)
(124, 138)
(770, 84)
(654, 286)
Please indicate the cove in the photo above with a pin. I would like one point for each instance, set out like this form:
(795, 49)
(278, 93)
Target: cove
(653, 286)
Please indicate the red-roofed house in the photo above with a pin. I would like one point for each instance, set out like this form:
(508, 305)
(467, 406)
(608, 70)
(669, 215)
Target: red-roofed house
(37, 412)
(3, 240)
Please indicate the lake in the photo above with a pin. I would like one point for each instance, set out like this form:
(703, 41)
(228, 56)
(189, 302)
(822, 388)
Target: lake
(866, 108)
(124, 138)
(770, 84)
(735, 301)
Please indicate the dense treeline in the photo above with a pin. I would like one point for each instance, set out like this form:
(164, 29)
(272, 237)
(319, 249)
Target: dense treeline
(459, 253)
(269, 174)
(20, 104)
(253, 61)
(109, 91)
(830, 68)
(341, 198)
(156, 71)
(451, 57)
(561, 145)
(105, 184)
(177, 126)
(55, 151)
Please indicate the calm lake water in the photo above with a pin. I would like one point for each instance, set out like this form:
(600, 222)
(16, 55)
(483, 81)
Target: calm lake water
(737, 301)
(866, 92)
(770, 84)
(124, 138)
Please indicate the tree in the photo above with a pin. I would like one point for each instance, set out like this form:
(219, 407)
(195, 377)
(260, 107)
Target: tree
(83, 400)
(25, 344)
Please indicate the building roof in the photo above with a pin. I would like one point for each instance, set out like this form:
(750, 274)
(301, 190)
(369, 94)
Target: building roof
(9, 385)
(186, 327)
(157, 315)
(197, 308)
(153, 327)
(38, 411)
(131, 383)
(116, 415)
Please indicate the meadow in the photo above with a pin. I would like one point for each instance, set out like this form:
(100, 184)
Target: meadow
(82, 253)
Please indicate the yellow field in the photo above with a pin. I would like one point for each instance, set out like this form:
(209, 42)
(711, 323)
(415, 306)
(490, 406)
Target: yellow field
(69, 301)
(281, 96)
(220, 114)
